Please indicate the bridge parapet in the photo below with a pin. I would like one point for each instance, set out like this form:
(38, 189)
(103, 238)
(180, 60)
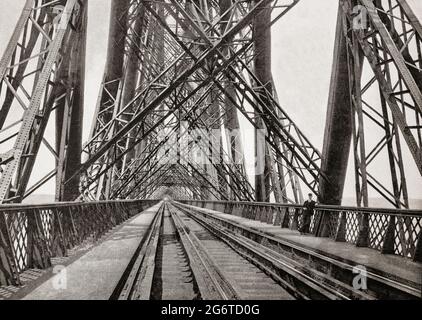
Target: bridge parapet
(390, 231)
(30, 235)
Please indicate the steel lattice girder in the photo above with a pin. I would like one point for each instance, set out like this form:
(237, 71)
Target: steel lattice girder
(188, 112)
(291, 128)
(237, 177)
(237, 180)
(201, 63)
(392, 55)
(42, 40)
(128, 127)
(308, 156)
(120, 53)
(303, 157)
(231, 96)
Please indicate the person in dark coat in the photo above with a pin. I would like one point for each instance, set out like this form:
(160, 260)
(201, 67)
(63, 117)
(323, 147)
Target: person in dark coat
(307, 212)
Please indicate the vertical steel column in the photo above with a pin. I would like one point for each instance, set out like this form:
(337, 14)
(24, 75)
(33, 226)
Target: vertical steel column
(115, 70)
(116, 45)
(132, 68)
(231, 119)
(108, 102)
(69, 118)
(390, 45)
(40, 90)
(338, 126)
(262, 62)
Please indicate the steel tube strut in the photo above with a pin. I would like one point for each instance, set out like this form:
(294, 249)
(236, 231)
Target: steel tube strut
(338, 126)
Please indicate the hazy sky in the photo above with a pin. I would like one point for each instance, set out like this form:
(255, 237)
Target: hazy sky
(302, 57)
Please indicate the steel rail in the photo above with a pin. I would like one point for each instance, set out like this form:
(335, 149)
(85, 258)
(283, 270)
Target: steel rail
(140, 264)
(219, 281)
(234, 233)
(391, 211)
(315, 289)
(137, 281)
(391, 231)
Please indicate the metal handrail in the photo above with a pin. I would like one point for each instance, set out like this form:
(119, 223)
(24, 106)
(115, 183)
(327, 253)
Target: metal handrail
(390, 231)
(392, 211)
(32, 234)
(20, 206)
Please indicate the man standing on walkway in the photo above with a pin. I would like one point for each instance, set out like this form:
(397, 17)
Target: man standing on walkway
(307, 212)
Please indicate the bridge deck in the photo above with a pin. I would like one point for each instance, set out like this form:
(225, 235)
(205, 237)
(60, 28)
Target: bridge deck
(402, 270)
(95, 275)
(96, 272)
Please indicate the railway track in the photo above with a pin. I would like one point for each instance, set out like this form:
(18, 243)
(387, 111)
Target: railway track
(182, 259)
(191, 254)
(293, 275)
(306, 274)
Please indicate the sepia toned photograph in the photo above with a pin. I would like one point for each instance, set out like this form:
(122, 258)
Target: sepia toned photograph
(219, 156)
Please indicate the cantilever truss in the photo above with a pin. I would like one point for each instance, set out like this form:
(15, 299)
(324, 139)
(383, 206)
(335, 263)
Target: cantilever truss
(194, 66)
(384, 40)
(40, 72)
(179, 77)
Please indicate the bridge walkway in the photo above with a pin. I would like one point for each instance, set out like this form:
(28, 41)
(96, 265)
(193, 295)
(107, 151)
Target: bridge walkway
(95, 273)
(315, 265)
(396, 274)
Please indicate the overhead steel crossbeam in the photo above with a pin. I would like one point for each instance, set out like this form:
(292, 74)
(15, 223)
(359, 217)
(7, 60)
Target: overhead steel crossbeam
(388, 36)
(193, 62)
(163, 168)
(132, 173)
(204, 125)
(279, 185)
(224, 5)
(240, 188)
(150, 67)
(303, 157)
(278, 181)
(34, 77)
(127, 178)
(175, 192)
(243, 47)
(147, 91)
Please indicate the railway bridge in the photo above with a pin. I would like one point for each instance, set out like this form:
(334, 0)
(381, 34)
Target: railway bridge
(190, 184)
